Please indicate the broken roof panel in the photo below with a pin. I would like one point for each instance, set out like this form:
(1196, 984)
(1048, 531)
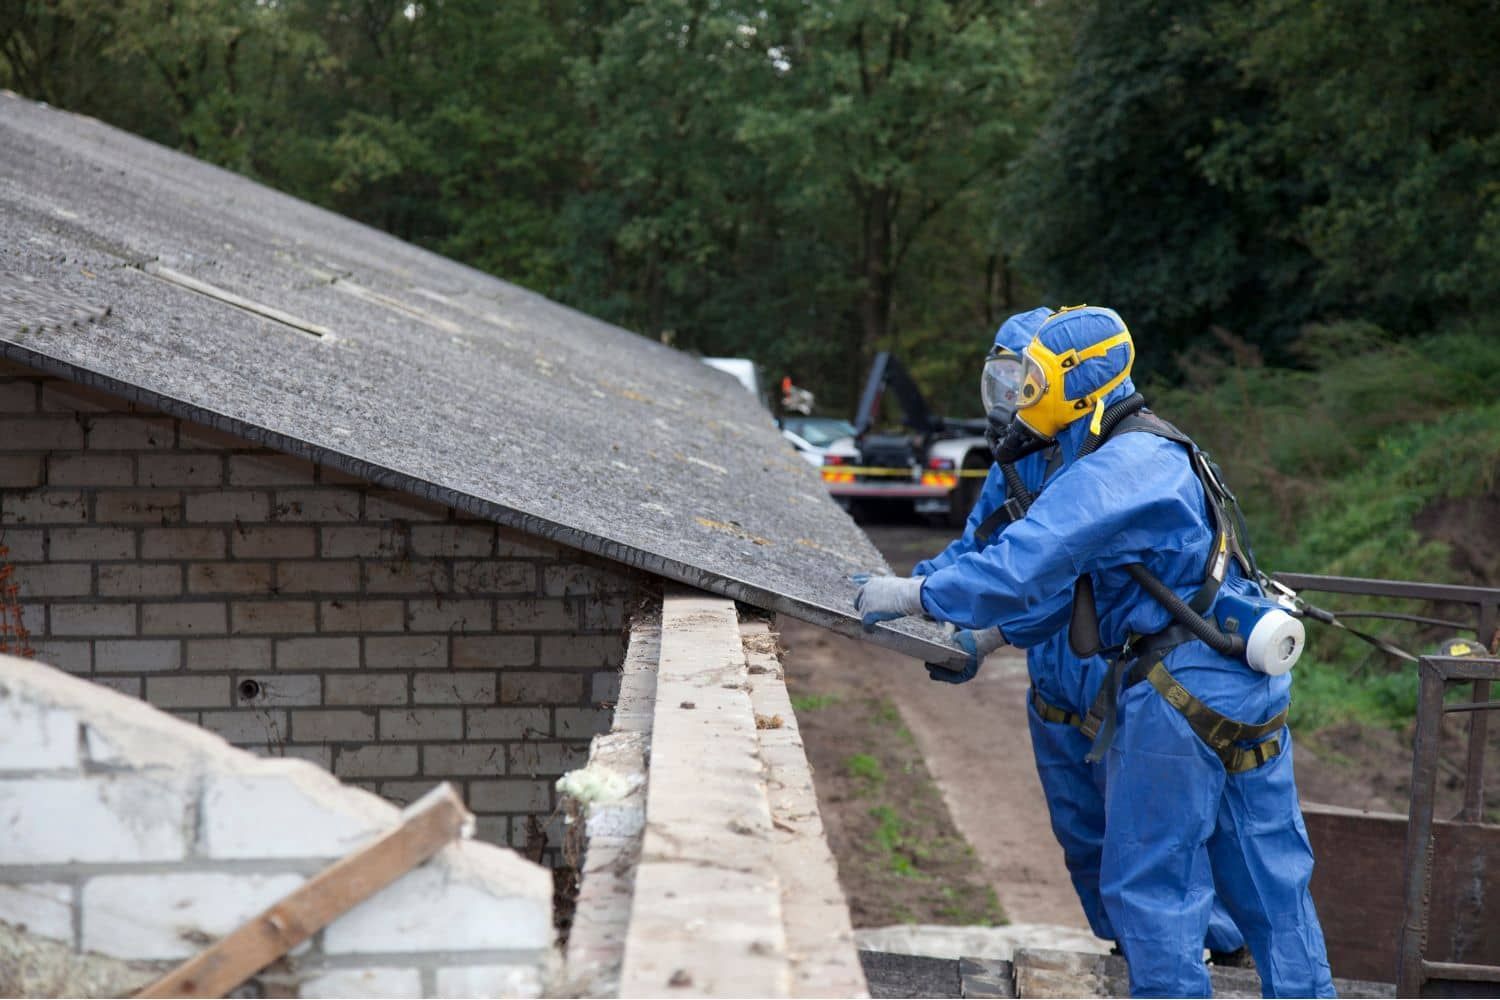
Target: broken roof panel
(141, 270)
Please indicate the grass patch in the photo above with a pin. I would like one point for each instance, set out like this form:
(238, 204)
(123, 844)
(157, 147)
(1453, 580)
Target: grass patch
(813, 702)
(866, 769)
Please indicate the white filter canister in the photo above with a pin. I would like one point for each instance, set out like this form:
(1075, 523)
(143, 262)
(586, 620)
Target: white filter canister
(1275, 644)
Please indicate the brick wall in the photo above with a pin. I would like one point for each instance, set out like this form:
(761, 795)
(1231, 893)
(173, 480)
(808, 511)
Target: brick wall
(133, 838)
(300, 611)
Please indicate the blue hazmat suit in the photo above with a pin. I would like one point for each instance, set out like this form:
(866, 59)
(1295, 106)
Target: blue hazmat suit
(1073, 787)
(1179, 826)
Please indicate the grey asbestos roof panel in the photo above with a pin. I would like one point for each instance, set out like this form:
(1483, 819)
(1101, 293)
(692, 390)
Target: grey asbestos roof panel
(126, 265)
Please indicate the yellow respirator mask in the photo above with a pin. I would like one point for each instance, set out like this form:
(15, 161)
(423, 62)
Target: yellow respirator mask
(1043, 404)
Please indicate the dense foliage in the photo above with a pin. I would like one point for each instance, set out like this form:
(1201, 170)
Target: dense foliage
(1296, 205)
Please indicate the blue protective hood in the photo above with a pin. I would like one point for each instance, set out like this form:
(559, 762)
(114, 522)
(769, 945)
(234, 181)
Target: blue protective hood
(1015, 333)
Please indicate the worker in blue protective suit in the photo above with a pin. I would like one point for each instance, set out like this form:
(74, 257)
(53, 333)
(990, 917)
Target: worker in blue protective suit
(1063, 686)
(1183, 816)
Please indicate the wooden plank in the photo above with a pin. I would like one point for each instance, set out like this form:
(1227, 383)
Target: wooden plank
(426, 826)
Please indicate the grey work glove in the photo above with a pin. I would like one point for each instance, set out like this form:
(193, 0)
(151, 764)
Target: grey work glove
(883, 598)
(978, 645)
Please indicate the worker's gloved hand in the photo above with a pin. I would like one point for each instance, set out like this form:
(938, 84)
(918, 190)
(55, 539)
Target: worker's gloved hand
(885, 597)
(860, 579)
(978, 645)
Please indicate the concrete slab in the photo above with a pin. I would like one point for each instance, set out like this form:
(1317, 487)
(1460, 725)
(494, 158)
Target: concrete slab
(706, 915)
(820, 938)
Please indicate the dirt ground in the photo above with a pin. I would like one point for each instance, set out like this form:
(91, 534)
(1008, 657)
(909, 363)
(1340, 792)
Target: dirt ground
(972, 740)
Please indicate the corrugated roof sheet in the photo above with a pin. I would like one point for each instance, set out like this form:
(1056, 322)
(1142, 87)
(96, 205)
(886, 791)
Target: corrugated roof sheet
(126, 265)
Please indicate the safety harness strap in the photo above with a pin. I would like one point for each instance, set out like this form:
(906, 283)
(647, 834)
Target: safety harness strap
(1051, 713)
(1015, 506)
(1218, 731)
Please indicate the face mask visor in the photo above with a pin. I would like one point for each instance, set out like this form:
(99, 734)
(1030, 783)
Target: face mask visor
(1033, 383)
(1000, 383)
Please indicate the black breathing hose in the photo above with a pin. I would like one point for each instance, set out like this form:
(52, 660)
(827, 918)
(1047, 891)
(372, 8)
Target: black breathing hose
(1219, 642)
(1016, 488)
(1112, 416)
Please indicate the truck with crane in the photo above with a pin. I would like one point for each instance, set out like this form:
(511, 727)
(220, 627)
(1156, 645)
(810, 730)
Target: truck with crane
(935, 463)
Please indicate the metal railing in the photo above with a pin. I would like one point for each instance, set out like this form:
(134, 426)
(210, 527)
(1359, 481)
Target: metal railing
(1436, 675)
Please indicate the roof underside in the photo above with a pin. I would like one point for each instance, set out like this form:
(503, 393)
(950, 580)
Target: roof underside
(131, 267)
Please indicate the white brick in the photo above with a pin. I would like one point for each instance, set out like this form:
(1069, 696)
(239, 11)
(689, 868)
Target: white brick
(238, 655)
(406, 652)
(422, 724)
(514, 544)
(450, 616)
(376, 762)
(315, 505)
(508, 723)
(492, 651)
(493, 577)
(427, 910)
(465, 687)
(41, 434)
(231, 505)
(490, 981)
(181, 470)
(365, 689)
(286, 812)
(24, 544)
(35, 737)
(140, 580)
(138, 507)
(363, 616)
(464, 759)
(56, 580)
(535, 614)
(183, 618)
(275, 542)
(248, 726)
(44, 909)
(42, 507)
(183, 543)
(82, 469)
(317, 654)
(372, 982)
(169, 916)
(318, 576)
(119, 818)
(131, 433)
(268, 617)
(188, 692)
(137, 655)
(282, 689)
(370, 541)
(18, 397)
(269, 470)
(20, 471)
(93, 619)
(412, 576)
(389, 505)
(74, 657)
(333, 726)
(453, 539)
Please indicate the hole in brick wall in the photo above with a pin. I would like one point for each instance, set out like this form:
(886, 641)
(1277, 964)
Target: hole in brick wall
(249, 689)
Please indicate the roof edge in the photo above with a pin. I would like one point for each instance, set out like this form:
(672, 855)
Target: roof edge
(843, 623)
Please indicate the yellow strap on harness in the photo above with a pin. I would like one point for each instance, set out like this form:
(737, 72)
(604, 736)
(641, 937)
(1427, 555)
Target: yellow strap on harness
(1220, 732)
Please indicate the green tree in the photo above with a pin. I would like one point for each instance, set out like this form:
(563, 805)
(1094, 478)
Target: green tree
(1384, 121)
(1114, 205)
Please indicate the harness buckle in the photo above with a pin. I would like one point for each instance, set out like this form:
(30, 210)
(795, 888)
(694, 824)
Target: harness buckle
(1218, 739)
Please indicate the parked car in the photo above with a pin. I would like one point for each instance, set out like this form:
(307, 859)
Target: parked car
(814, 436)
